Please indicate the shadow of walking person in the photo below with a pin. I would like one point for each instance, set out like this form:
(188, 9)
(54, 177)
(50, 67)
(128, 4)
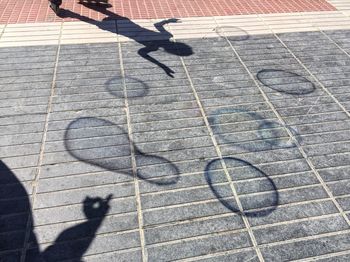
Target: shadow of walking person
(175, 48)
(16, 225)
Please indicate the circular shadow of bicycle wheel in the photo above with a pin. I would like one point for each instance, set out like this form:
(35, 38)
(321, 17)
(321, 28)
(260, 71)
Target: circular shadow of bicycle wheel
(104, 144)
(285, 82)
(135, 87)
(285, 142)
(258, 197)
(221, 119)
(233, 33)
(156, 170)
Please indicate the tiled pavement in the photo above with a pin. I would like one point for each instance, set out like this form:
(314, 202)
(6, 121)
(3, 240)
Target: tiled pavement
(232, 145)
(30, 11)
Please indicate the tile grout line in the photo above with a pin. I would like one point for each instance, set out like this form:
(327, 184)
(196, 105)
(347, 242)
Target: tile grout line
(329, 255)
(300, 148)
(30, 221)
(335, 43)
(336, 233)
(133, 158)
(235, 194)
(3, 31)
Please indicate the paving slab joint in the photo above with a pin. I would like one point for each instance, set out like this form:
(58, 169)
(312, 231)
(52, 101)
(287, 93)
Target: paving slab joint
(300, 148)
(26, 245)
(133, 160)
(219, 154)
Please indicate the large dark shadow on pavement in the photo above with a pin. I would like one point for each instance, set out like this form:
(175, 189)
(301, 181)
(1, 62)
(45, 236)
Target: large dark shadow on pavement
(268, 200)
(175, 48)
(15, 213)
(111, 150)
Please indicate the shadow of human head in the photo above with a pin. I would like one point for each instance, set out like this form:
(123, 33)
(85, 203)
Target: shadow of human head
(178, 48)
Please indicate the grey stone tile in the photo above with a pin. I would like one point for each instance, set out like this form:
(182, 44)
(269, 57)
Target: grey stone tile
(12, 240)
(339, 258)
(162, 116)
(149, 108)
(76, 196)
(333, 174)
(306, 248)
(110, 224)
(260, 157)
(80, 181)
(25, 79)
(344, 202)
(78, 106)
(236, 257)
(197, 247)
(311, 119)
(261, 184)
(96, 155)
(153, 217)
(274, 198)
(300, 229)
(14, 222)
(25, 110)
(271, 169)
(184, 196)
(170, 134)
(162, 99)
(132, 256)
(339, 147)
(40, 95)
(72, 213)
(181, 144)
(339, 188)
(21, 161)
(101, 243)
(28, 149)
(177, 155)
(338, 136)
(25, 72)
(24, 102)
(196, 179)
(26, 86)
(289, 213)
(97, 112)
(36, 59)
(11, 256)
(323, 127)
(331, 160)
(193, 228)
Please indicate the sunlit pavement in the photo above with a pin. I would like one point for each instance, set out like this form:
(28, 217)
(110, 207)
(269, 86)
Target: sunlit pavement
(211, 136)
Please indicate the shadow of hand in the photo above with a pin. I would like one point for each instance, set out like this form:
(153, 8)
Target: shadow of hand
(96, 207)
(173, 20)
(168, 71)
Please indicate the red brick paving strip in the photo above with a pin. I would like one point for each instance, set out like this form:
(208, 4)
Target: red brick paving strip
(30, 11)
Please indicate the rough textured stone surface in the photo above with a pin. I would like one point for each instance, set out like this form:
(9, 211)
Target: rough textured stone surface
(194, 156)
